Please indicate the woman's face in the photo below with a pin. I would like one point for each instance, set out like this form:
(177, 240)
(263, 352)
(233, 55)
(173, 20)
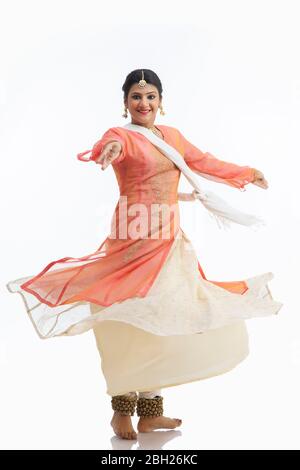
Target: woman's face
(143, 99)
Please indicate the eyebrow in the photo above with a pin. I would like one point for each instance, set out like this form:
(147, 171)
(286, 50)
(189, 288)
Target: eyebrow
(137, 93)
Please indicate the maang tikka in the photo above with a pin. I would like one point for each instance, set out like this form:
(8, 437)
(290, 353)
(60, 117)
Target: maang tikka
(142, 84)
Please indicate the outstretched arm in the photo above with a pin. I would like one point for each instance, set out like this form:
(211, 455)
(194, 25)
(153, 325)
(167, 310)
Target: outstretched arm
(114, 153)
(210, 167)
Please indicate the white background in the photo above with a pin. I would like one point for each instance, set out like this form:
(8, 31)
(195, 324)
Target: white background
(231, 84)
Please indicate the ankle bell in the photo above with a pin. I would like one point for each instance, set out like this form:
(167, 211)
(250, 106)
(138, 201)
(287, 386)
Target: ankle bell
(150, 407)
(124, 404)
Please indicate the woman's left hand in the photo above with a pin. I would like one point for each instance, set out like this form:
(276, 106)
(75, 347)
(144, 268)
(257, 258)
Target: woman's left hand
(259, 179)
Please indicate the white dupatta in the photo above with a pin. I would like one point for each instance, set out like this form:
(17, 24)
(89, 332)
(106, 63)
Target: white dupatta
(220, 210)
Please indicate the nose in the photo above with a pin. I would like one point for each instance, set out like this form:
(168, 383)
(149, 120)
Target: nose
(144, 103)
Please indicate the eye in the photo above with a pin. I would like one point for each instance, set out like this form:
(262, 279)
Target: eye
(137, 96)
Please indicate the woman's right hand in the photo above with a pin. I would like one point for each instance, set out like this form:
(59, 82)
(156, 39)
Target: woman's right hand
(110, 152)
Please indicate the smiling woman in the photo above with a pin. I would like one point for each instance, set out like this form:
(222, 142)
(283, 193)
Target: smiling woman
(143, 102)
(158, 321)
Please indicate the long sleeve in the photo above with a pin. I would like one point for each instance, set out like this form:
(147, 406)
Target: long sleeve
(110, 135)
(210, 167)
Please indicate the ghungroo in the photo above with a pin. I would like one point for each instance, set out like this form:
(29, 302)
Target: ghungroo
(150, 407)
(124, 404)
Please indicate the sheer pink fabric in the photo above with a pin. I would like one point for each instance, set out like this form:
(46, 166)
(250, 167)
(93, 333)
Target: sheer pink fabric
(124, 266)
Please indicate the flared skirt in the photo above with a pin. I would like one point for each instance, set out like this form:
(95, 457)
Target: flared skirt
(186, 328)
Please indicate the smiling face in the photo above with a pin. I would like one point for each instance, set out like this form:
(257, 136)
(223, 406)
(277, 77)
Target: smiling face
(143, 99)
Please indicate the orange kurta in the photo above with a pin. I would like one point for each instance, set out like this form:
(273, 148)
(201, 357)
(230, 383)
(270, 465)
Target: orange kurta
(146, 278)
(123, 267)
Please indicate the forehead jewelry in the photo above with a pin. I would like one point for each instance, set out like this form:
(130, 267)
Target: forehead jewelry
(142, 82)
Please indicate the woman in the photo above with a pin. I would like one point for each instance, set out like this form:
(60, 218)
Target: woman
(157, 320)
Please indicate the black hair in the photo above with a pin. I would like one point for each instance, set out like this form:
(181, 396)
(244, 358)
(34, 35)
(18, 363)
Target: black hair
(136, 75)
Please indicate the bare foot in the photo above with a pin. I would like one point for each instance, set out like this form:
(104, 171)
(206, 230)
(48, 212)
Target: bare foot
(147, 424)
(122, 426)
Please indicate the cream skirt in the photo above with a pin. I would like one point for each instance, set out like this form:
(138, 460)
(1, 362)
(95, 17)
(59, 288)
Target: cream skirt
(186, 328)
(135, 360)
(142, 349)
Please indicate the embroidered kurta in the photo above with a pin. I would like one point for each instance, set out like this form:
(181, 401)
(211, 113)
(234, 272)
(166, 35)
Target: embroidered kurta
(149, 281)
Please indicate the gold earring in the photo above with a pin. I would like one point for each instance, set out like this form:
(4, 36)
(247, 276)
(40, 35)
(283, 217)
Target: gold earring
(125, 115)
(162, 111)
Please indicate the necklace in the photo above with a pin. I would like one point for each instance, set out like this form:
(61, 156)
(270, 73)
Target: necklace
(155, 131)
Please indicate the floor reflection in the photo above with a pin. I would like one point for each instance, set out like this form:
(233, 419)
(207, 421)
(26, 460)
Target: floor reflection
(154, 440)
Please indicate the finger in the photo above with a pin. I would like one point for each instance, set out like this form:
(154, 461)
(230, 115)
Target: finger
(106, 162)
(259, 184)
(103, 156)
(263, 185)
(108, 149)
(106, 155)
(111, 157)
(108, 159)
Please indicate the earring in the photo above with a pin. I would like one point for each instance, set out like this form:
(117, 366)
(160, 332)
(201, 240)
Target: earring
(125, 115)
(162, 111)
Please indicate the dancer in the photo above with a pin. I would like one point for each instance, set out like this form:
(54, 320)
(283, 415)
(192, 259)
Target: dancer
(156, 318)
